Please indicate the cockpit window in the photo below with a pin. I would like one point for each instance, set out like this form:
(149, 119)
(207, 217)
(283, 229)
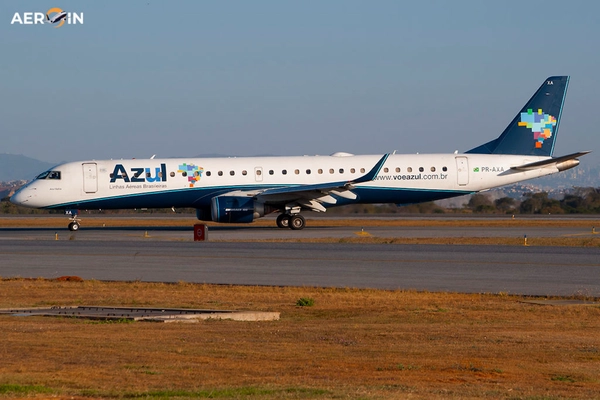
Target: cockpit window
(49, 175)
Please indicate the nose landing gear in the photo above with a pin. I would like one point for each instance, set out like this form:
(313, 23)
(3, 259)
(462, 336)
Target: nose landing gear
(75, 222)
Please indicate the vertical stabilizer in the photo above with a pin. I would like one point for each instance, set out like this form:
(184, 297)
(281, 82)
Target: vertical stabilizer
(533, 131)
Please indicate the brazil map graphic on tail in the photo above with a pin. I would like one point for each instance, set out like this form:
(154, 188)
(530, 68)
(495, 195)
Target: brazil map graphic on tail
(541, 125)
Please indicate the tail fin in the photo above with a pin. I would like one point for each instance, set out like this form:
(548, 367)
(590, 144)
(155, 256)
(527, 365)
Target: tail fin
(533, 131)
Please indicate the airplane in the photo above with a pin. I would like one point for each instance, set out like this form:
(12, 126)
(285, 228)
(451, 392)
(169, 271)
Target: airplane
(56, 18)
(242, 189)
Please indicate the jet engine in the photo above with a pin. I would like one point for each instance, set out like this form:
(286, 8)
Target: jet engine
(237, 209)
(203, 214)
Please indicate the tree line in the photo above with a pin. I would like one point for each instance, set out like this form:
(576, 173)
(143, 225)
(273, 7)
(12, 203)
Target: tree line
(579, 201)
(584, 200)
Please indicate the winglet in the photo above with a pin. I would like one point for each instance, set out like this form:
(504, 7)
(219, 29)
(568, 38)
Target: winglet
(369, 176)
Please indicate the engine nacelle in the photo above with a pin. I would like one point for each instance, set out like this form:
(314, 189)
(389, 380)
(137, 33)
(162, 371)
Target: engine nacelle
(236, 209)
(203, 214)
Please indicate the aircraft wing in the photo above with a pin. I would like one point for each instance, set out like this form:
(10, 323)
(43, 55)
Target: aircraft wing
(312, 197)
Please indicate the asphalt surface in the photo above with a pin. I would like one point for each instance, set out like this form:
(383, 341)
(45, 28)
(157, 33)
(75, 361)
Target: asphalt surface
(169, 255)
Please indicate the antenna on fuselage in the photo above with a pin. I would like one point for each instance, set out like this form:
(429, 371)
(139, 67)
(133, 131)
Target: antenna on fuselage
(152, 158)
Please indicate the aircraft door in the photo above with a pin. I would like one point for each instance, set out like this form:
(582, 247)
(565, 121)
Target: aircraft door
(258, 174)
(90, 177)
(462, 170)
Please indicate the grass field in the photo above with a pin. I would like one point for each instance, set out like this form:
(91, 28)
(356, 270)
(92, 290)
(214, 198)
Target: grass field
(179, 220)
(355, 344)
(349, 344)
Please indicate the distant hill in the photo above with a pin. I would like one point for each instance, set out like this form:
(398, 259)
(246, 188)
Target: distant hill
(16, 167)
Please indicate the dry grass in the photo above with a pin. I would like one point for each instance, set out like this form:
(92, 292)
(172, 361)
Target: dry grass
(590, 241)
(350, 344)
(116, 220)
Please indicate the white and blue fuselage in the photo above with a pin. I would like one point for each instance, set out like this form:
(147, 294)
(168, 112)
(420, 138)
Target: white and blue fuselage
(241, 189)
(188, 182)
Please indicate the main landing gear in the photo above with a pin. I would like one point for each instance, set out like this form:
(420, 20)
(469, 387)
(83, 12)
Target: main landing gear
(294, 221)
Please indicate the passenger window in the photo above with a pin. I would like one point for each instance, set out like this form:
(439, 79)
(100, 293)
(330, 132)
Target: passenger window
(421, 169)
(184, 174)
(284, 172)
(341, 170)
(352, 170)
(362, 170)
(296, 171)
(397, 169)
(220, 173)
(308, 172)
(271, 172)
(207, 173)
(244, 172)
(444, 169)
(409, 169)
(172, 174)
(386, 169)
(432, 169)
(232, 173)
(258, 172)
(147, 174)
(320, 171)
(331, 170)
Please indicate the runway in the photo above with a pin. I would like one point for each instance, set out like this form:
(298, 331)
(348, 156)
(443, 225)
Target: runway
(169, 255)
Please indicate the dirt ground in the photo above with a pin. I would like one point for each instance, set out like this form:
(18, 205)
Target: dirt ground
(355, 344)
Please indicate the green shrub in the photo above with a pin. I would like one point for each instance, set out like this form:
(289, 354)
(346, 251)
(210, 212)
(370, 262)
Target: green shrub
(305, 302)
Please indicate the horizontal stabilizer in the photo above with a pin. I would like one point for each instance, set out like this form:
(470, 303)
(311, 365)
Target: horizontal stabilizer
(553, 161)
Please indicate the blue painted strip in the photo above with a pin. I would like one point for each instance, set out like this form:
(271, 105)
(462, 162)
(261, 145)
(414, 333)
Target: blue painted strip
(559, 115)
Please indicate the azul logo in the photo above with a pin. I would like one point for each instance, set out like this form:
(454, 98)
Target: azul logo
(193, 173)
(54, 16)
(139, 174)
(541, 125)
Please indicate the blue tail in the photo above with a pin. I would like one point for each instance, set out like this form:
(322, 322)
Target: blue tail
(533, 131)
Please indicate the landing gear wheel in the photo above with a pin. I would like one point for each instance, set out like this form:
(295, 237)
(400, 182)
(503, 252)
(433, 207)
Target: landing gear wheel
(74, 226)
(297, 222)
(283, 221)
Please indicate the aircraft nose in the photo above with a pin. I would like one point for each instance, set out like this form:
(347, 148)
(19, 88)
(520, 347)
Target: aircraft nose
(23, 196)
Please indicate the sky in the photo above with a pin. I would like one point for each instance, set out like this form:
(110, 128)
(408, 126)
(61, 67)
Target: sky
(244, 78)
